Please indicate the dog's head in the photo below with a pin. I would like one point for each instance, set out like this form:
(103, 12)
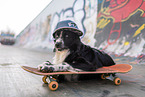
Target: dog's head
(66, 34)
(64, 39)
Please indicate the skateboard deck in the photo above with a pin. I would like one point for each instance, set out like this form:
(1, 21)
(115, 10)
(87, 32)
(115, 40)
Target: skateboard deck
(106, 73)
(119, 68)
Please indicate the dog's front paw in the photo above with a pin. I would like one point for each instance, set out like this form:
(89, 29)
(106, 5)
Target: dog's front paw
(45, 67)
(39, 67)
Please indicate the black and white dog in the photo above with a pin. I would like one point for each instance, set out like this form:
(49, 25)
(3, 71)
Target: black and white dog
(71, 53)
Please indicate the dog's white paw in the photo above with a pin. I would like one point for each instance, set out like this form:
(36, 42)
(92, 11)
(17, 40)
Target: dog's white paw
(45, 67)
(39, 67)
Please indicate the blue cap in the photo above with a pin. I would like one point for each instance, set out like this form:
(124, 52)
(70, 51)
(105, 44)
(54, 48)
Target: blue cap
(68, 25)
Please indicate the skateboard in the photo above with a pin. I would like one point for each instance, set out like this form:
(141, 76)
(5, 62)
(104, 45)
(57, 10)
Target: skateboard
(108, 72)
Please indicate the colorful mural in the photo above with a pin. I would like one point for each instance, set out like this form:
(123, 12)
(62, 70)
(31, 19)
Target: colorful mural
(120, 28)
(115, 26)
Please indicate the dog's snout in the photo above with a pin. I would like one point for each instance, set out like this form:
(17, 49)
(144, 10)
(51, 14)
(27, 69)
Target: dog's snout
(58, 44)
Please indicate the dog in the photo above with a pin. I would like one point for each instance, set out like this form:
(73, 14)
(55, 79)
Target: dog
(72, 54)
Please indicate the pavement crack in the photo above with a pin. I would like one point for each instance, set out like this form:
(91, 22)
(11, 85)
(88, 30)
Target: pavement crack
(6, 64)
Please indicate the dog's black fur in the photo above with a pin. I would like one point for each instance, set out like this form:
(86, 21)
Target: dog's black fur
(81, 56)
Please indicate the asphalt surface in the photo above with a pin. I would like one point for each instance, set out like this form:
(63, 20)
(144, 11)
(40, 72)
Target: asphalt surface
(15, 82)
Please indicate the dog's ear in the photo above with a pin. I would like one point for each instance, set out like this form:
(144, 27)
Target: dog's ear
(54, 35)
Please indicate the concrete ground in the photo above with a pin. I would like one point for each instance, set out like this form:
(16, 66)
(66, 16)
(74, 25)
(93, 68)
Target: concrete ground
(15, 82)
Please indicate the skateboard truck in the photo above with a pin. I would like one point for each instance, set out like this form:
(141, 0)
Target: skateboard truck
(112, 77)
(51, 81)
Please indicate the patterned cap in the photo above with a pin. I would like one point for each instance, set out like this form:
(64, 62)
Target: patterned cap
(68, 25)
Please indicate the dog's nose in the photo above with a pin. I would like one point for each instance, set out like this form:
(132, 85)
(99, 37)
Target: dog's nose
(58, 44)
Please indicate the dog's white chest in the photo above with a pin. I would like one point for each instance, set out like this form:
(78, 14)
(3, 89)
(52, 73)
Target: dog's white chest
(60, 56)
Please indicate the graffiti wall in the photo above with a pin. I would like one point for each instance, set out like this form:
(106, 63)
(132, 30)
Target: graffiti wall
(38, 34)
(116, 26)
(121, 27)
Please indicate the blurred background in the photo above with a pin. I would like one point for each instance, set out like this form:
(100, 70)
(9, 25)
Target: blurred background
(15, 15)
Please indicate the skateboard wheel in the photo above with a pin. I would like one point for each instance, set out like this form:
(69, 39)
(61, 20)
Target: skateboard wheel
(103, 76)
(53, 85)
(44, 79)
(117, 81)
